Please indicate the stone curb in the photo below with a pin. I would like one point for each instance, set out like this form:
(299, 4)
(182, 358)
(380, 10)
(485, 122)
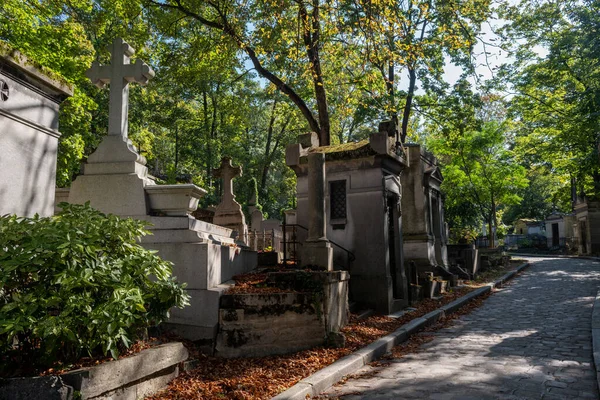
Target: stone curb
(596, 336)
(556, 256)
(328, 376)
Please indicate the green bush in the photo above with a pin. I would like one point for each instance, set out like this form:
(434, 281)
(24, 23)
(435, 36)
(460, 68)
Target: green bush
(78, 284)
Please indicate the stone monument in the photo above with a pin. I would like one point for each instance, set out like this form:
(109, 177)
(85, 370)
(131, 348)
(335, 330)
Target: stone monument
(115, 180)
(587, 225)
(424, 228)
(29, 104)
(317, 251)
(362, 218)
(115, 175)
(229, 212)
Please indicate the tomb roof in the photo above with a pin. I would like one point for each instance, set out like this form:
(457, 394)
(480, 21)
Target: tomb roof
(345, 150)
(34, 70)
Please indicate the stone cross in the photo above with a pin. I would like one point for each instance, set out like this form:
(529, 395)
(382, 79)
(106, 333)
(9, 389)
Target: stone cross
(227, 172)
(119, 74)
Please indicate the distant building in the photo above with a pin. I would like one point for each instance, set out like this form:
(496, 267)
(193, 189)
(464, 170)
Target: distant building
(527, 226)
(559, 229)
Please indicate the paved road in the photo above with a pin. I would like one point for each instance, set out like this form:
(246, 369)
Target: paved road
(530, 340)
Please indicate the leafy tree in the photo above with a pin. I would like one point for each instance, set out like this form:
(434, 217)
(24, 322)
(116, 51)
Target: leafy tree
(416, 38)
(540, 197)
(479, 170)
(556, 81)
(472, 138)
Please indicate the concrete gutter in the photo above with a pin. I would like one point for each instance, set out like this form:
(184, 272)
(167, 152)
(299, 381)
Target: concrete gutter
(596, 336)
(328, 376)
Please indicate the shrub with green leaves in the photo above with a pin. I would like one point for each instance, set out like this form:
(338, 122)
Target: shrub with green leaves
(78, 284)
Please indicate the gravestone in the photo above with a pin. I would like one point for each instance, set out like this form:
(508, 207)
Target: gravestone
(30, 96)
(115, 180)
(229, 212)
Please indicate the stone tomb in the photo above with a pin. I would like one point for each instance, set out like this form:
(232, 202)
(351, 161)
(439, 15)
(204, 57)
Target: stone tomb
(362, 197)
(424, 228)
(29, 103)
(115, 180)
(559, 229)
(587, 226)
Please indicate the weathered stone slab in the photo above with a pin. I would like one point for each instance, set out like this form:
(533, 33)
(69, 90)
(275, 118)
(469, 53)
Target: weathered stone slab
(108, 377)
(130, 378)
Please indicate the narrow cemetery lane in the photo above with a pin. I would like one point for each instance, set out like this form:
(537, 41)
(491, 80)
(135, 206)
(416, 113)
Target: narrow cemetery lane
(530, 340)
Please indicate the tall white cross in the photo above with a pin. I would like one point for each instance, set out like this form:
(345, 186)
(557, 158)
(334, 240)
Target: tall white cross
(119, 74)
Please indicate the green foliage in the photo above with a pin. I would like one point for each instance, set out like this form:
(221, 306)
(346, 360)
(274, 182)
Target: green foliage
(480, 173)
(556, 78)
(78, 283)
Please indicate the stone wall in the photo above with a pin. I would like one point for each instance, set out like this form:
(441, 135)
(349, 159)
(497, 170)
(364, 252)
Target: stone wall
(133, 377)
(254, 325)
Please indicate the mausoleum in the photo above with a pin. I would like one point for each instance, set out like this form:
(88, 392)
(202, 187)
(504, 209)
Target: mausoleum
(363, 217)
(424, 228)
(587, 225)
(30, 96)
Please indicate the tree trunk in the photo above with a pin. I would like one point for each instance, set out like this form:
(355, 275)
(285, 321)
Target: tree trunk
(412, 74)
(176, 149)
(269, 157)
(596, 178)
(225, 27)
(493, 224)
(311, 37)
(209, 178)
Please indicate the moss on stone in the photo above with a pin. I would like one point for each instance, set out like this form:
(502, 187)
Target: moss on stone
(345, 151)
(9, 52)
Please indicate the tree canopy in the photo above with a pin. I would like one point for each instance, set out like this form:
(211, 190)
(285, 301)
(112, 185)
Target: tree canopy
(243, 79)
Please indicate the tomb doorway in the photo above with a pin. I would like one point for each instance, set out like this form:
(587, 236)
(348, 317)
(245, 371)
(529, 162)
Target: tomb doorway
(394, 244)
(555, 235)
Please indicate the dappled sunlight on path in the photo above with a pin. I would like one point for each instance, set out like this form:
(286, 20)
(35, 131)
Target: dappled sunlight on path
(530, 340)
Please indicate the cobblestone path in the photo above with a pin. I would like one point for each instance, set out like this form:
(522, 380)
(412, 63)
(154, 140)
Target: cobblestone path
(530, 340)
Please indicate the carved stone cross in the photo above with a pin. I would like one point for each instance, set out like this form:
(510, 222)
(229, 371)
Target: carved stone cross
(227, 172)
(119, 74)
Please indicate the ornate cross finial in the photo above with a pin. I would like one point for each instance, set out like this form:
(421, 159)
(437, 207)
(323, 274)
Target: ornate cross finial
(119, 74)
(227, 172)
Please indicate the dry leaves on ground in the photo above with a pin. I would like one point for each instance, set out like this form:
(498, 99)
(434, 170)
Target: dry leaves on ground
(262, 378)
(265, 377)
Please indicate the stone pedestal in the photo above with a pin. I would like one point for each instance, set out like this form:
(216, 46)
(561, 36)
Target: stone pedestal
(317, 254)
(113, 179)
(317, 250)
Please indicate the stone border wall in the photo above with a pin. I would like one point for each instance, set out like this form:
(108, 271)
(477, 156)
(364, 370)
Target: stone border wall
(261, 324)
(132, 377)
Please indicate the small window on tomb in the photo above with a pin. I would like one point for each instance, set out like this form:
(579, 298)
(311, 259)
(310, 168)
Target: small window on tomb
(337, 197)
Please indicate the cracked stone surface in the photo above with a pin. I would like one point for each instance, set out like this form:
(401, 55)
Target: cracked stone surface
(530, 340)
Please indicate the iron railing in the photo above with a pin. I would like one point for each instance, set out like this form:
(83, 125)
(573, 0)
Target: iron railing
(291, 247)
